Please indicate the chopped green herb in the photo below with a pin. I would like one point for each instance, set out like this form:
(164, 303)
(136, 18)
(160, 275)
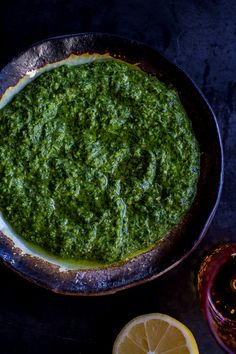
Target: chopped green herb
(97, 161)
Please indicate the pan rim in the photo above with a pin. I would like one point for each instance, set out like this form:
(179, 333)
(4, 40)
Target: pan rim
(220, 183)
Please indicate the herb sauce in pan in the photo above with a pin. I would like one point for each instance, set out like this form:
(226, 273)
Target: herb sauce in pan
(97, 161)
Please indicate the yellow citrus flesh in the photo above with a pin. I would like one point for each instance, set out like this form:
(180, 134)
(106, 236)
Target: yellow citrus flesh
(155, 334)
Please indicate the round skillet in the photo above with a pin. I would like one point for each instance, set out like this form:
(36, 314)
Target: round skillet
(183, 238)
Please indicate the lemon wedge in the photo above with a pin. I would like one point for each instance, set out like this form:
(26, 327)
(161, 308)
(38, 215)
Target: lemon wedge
(155, 333)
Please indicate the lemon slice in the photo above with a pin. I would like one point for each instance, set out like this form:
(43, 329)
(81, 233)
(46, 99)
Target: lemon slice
(155, 333)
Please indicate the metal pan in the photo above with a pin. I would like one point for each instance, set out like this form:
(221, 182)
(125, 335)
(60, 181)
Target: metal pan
(178, 244)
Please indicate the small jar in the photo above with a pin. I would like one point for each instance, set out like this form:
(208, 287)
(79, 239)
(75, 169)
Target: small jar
(217, 292)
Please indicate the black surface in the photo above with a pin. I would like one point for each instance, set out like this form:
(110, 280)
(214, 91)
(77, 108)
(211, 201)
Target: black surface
(200, 36)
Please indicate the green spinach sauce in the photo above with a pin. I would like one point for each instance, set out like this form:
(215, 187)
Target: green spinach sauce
(97, 162)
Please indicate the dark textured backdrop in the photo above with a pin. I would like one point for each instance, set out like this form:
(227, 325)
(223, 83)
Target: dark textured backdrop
(198, 35)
